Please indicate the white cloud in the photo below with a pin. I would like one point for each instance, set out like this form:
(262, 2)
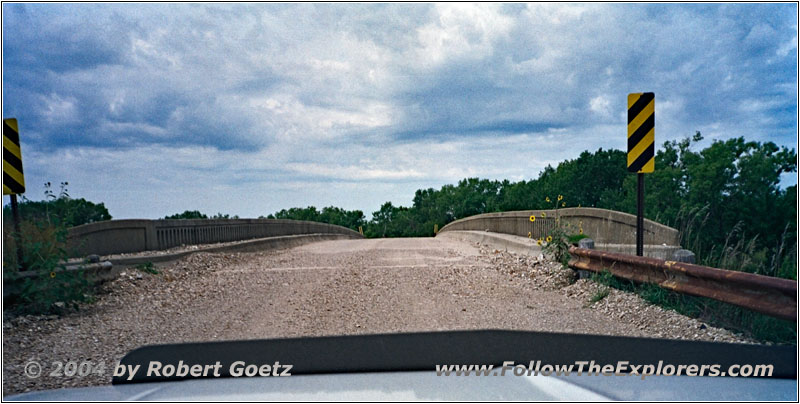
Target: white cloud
(58, 109)
(601, 105)
(788, 46)
(462, 31)
(278, 105)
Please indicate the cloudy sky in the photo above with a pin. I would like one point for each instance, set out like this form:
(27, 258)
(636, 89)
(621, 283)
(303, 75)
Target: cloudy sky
(247, 109)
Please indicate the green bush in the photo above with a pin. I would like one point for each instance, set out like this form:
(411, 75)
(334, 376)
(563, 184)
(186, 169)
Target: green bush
(51, 289)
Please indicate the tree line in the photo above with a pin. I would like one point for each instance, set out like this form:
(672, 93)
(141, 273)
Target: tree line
(57, 209)
(725, 199)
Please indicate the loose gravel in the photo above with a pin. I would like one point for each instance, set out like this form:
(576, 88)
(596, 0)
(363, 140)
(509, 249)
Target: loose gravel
(328, 288)
(155, 253)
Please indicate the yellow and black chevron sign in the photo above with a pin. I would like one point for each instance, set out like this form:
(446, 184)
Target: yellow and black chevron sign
(13, 180)
(641, 132)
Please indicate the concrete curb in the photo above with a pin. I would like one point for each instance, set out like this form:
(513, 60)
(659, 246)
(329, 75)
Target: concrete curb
(526, 246)
(664, 252)
(602, 225)
(507, 242)
(139, 235)
(261, 244)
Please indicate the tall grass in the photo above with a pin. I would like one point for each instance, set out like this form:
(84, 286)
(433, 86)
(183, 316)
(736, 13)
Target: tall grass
(751, 324)
(738, 251)
(735, 251)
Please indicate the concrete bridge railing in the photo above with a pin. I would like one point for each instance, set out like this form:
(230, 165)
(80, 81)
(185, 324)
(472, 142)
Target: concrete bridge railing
(135, 235)
(611, 230)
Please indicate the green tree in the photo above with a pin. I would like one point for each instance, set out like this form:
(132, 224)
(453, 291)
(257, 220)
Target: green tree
(224, 216)
(187, 214)
(331, 214)
(59, 208)
(394, 221)
(725, 199)
(351, 219)
(309, 213)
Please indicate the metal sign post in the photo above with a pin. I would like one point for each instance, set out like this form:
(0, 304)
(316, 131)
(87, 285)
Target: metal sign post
(13, 178)
(640, 216)
(641, 151)
(17, 232)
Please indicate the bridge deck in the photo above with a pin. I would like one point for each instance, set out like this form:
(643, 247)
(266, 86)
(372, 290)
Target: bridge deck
(330, 288)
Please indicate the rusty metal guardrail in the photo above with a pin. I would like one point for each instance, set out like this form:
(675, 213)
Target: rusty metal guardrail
(772, 296)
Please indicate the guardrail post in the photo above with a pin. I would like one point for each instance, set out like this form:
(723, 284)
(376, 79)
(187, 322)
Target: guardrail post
(588, 244)
(684, 256)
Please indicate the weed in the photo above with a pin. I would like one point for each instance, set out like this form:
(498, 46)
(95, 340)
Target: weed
(601, 294)
(559, 240)
(574, 238)
(606, 278)
(558, 246)
(147, 267)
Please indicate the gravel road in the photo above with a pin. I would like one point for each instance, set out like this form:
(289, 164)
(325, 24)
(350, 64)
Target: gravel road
(328, 288)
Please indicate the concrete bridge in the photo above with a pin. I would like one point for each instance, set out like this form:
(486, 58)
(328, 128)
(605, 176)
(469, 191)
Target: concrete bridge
(343, 285)
(611, 231)
(137, 235)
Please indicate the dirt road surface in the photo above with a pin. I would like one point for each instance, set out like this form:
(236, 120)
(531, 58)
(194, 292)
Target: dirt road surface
(328, 288)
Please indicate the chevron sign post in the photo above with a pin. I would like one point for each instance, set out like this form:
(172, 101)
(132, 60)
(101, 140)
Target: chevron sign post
(641, 151)
(13, 179)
